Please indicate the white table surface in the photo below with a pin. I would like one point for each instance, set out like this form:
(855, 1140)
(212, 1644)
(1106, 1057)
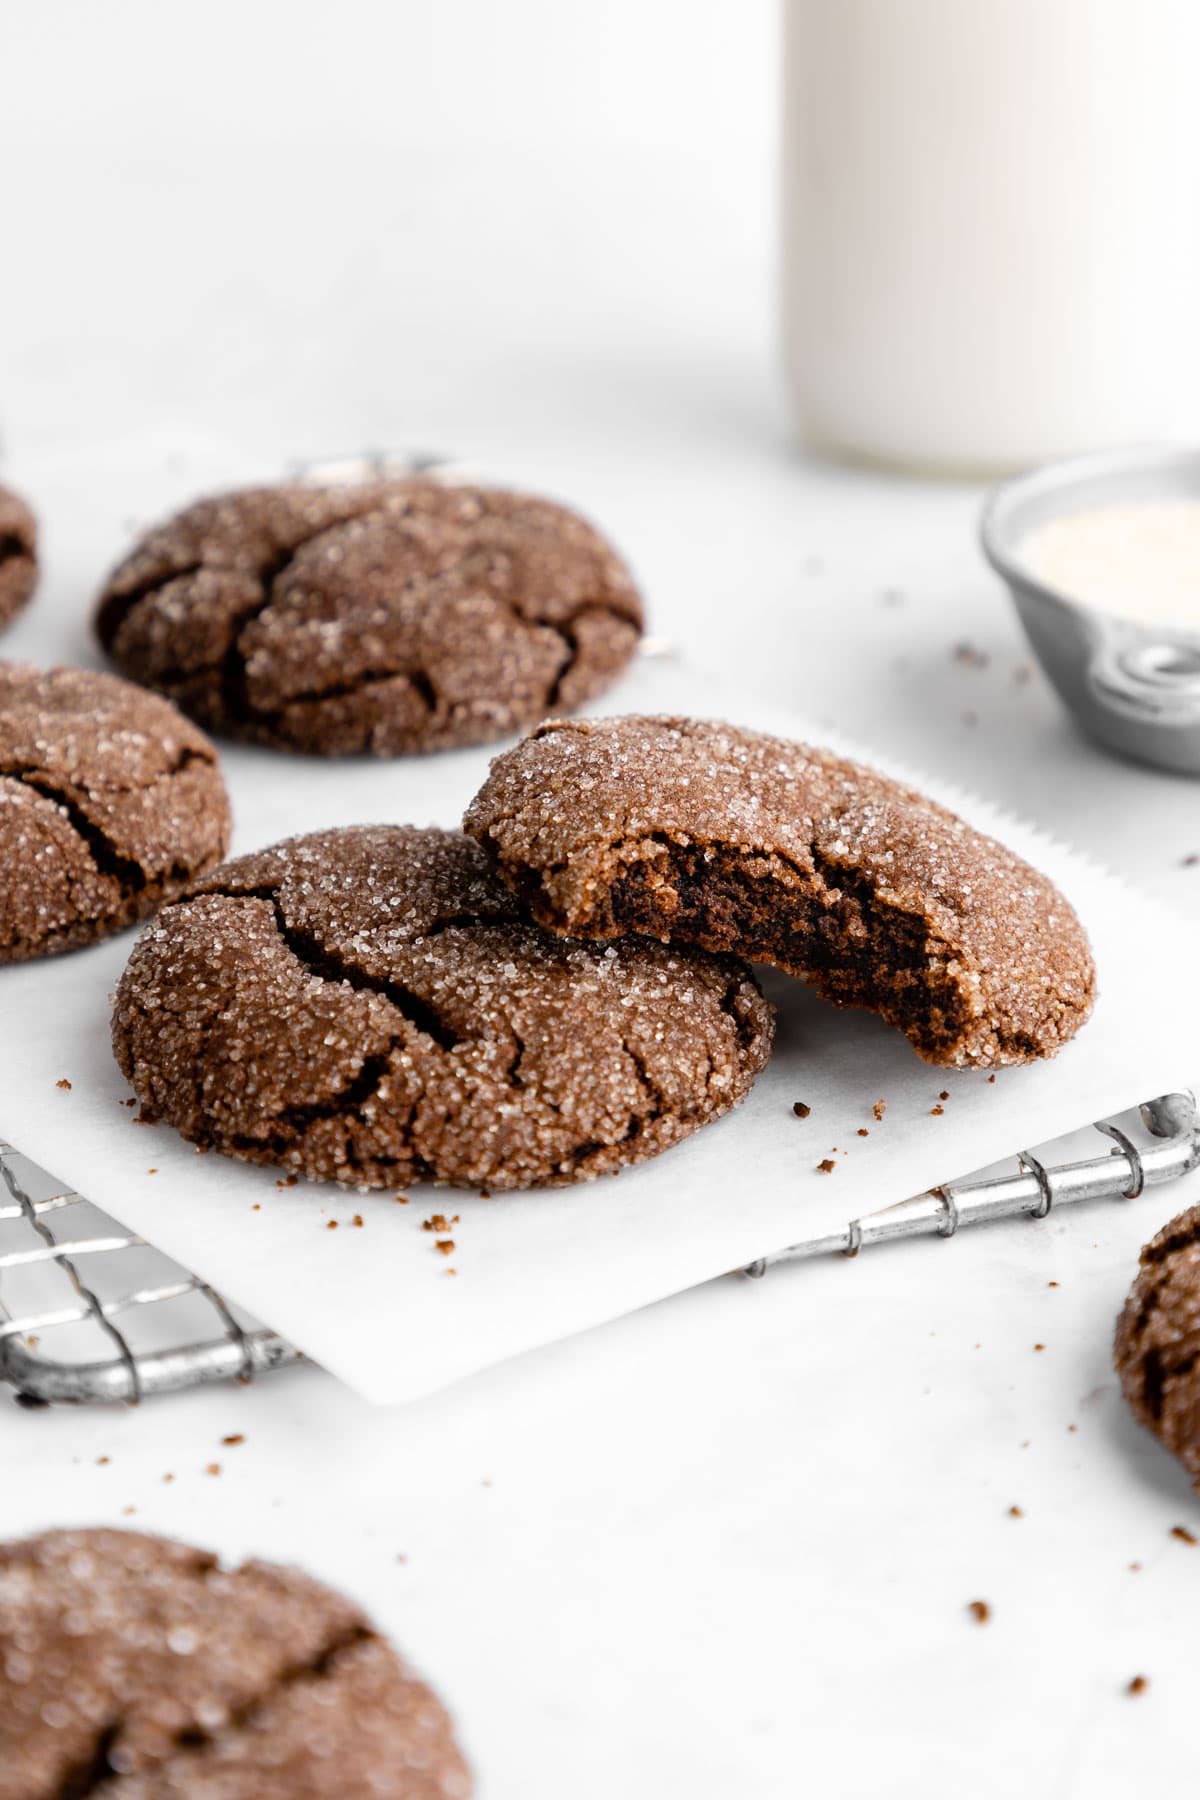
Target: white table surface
(723, 1547)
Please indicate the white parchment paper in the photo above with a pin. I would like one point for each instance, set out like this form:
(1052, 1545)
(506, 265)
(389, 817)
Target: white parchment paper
(376, 1303)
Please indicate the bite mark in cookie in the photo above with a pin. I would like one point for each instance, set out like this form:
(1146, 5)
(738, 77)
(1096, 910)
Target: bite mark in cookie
(390, 617)
(136, 1668)
(371, 1006)
(110, 803)
(704, 834)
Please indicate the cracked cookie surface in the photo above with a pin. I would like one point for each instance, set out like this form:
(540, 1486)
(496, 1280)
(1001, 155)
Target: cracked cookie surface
(18, 555)
(391, 617)
(110, 802)
(699, 833)
(136, 1668)
(1157, 1348)
(370, 1005)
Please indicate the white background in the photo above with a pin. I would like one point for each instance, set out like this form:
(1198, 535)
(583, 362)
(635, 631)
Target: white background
(725, 1547)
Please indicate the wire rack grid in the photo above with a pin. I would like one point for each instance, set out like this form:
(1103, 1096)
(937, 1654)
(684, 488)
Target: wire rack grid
(92, 1312)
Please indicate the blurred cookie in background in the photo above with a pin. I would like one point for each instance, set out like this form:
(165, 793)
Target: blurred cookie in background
(385, 617)
(136, 1668)
(18, 555)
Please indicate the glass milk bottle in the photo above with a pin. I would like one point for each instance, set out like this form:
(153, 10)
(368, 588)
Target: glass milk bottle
(991, 231)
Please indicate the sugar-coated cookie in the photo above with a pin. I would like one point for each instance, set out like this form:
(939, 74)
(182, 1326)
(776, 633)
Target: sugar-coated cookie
(704, 834)
(136, 1668)
(390, 617)
(110, 803)
(371, 1006)
(1157, 1349)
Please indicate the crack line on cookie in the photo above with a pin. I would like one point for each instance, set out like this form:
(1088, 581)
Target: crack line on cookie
(91, 1774)
(328, 966)
(129, 874)
(115, 608)
(196, 1739)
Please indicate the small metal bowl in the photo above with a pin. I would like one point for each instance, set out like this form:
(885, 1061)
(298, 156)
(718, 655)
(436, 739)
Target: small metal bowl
(1134, 688)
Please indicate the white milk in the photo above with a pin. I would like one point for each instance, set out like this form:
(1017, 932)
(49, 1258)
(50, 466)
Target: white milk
(1140, 560)
(991, 226)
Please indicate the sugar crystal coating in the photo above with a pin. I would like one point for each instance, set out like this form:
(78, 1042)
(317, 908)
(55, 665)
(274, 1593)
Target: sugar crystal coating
(136, 1668)
(384, 617)
(110, 802)
(707, 834)
(371, 1006)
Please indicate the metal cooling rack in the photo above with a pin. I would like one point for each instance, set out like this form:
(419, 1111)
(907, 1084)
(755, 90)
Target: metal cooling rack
(90, 1312)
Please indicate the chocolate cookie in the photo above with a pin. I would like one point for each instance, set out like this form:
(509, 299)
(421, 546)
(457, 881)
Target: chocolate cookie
(1157, 1348)
(699, 833)
(370, 1006)
(110, 802)
(404, 615)
(18, 555)
(135, 1668)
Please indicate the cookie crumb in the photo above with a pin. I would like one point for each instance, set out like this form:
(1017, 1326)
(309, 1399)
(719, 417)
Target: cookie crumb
(332, 1225)
(152, 1171)
(212, 1468)
(991, 1081)
(446, 1246)
(1039, 1346)
(127, 1512)
(167, 1479)
(936, 1111)
(401, 1199)
(1016, 1512)
(980, 1611)
(102, 1460)
(1135, 1568)
(800, 1109)
(235, 1437)
(1138, 1685)
(1183, 1534)
(64, 1083)
(257, 1206)
(863, 1132)
(944, 1095)
(1052, 1284)
(826, 1166)
(357, 1220)
(879, 1108)
(970, 655)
